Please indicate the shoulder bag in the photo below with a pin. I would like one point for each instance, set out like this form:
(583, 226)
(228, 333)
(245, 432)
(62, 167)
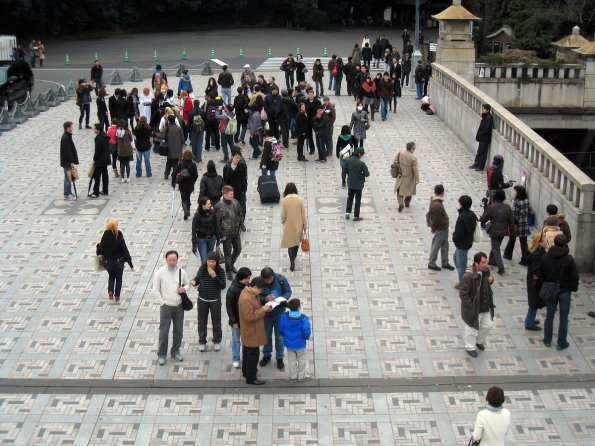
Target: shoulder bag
(163, 145)
(186, 302)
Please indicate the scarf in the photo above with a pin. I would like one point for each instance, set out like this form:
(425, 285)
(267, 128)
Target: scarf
(491, 408)
(345, 136)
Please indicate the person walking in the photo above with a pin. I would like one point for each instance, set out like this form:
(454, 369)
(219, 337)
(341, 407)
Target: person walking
(483, 137)
(385, 93)
(113, 248)
(175, 142)
(142, 135)
(101, 159)
(359, 124)
(252, 331)
(268, 164)
(437, 220)
(477, 304)
(493, 421)
(534, 282)
(557, 265)
(97, 76)
(125, 151)
(300, 69)
(521, 210)
(499, 214)
(205, 232)
(230, 221)
(185, 175)
(168, 283)
(232, 298)
(294, 221)
(210, 280)
(462, 236)
(102, 112)
(196, 129)
(357, 172)
(68, 158)
(317, 75)
(235, 174)
(211, 184)
(408, 178)
(302, 127)
(418, 77)
(344, 140)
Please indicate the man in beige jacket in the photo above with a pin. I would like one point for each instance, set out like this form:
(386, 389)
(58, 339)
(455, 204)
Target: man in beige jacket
(406, 184)
(252, 328)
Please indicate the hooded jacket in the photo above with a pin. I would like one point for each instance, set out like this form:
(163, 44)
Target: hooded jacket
(101, 156)
(185, 84)
(500, 216)
(472, 286)
(357, 171)
(211, 186)
(204, 225)
(462, 236)
(295, 328)
(557, 265)
(232, 300)
(437, 214)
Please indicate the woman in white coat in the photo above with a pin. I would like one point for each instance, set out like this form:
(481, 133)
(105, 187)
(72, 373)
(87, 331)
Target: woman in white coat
(144, 101)
(493, 421)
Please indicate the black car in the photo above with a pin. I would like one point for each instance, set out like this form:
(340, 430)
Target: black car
(16, 82)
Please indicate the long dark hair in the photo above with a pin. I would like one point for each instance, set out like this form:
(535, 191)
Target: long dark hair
(290, 189)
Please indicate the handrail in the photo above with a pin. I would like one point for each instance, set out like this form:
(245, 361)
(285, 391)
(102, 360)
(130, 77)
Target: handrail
(568, 179)
(530, 71)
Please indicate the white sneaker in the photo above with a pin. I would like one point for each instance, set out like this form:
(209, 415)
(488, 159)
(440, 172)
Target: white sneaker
(177, 356)
(128, 180)
(162, 360)
(216, 347)
(202, 347)
(236, 364)
(123, 180)
(70, 198)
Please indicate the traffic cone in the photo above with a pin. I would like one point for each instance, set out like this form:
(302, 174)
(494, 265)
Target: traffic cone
(325, 52)
(126, 56)
(96, 55)
(184, 55)
(270, 53)
(67, 62)
(297, 53)
(212, 53)
(241, 54)
(155, 57)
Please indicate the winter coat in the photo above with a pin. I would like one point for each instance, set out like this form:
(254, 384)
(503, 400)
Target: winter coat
(251, 319)
(185, 84)
(502, 221)
(534, 282)
(232, 299)
(549, 234)
(558, 265)
(521, 209)
(295, 329)
(204, 225)
(283, 289)
(287, 110)
(406, 67)
(356, 56)
(376, 50)
(272, 106)
(211, 186)
(484, 132)
(68, 154)
(438, 215)
(125, 144)
(344, 140)
(311, 107)
(175, 141)
(225, 79)
(101, 109)
(465, 226)
(302, 124)
(340, 67)
(236, 178)
(366, 54)
(385, 89)
(265, 161)
(322, 125)
(142, 134)
(317, 72)
(122, 108)
(101, 156)
(357, 171)
(224, 119)
(240, 105)
(188, 185)
(359, 119)
(209, 288)
(470, 296)
(293, 219)
(83, 95)
(114, 247)
(230, 217)
(419, 74)
(563, 225)
(254, 123)
(406, 183)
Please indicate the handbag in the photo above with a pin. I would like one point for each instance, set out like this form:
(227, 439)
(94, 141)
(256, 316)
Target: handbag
(473, 442)
(163, 146)
(549, 291)
(477, 234)
(73, 174)
(99, 263)
(91, 170)
(305, 243)
(219, 252)
(186, 302)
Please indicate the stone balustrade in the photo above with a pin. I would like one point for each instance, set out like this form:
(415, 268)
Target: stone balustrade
(550, 177)
(530, 71)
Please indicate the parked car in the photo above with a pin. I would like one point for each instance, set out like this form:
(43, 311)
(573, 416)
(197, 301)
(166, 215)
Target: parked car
(16, 82)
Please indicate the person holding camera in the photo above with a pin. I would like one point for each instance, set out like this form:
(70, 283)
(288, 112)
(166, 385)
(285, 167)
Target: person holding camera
(83, 100)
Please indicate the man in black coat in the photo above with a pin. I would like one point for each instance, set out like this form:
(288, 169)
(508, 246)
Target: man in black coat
(235, 174)
(68, 158)
(111, 104)
(101, 159)
(232, 299)
(483, 137)
(350, 72)
(462, 237)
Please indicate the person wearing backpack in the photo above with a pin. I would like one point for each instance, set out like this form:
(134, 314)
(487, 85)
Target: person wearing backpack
(228, 125)
(269, 162)
(185, 175)
(343, 150)
(212, 123)
(196, 124)
(558, 266)
(211, 184)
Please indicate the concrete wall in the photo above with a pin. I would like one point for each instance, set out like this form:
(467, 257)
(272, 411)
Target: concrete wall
(537, 93)
(551, 177)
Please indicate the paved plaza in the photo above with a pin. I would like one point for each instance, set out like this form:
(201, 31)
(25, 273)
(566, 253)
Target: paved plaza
(387, 352)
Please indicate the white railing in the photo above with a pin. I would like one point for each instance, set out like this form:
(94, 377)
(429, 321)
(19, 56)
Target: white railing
(568, 179)
(530, 71)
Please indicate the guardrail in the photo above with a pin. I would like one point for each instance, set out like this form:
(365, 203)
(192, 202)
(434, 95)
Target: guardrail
(529, 71)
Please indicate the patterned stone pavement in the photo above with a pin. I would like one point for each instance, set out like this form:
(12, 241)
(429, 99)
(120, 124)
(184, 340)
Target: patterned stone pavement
(377, 311)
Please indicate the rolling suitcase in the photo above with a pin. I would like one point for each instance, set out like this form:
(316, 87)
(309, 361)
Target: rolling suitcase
(268, 189)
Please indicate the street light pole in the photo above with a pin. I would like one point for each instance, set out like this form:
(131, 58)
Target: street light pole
(417, 24)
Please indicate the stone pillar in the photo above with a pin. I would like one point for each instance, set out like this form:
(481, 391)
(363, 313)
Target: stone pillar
(589, 101)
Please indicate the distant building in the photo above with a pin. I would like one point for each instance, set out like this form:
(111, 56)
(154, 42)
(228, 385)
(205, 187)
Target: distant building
(565, 46)
(501, 40)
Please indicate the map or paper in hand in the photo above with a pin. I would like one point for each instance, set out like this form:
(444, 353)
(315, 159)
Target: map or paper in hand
(274, 303)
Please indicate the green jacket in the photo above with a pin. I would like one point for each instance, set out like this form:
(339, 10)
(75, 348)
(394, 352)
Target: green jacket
(357, 171)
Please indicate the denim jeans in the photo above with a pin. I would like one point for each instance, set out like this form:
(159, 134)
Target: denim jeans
(226, 145)
(115, 270)
(271, 320)
(235, 344)
(241, 133)
(418, 90)
(321, 144)
(205, 246)
(564, 300)
(255, 148)
(265, 172)
(67, 183)
(196, 140)
(460, 259)
(226, 95)
(495, 254)
(383, 107)
(338, 80)
(530, 318)
(319, 88)
(331, 82)
(146, 155)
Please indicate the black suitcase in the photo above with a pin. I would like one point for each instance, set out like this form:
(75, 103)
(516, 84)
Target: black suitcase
(268, 189)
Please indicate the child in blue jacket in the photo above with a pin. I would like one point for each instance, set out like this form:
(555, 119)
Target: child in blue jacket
(295, 328)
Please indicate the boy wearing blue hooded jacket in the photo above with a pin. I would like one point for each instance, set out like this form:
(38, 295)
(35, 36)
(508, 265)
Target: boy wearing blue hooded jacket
(295, 328)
